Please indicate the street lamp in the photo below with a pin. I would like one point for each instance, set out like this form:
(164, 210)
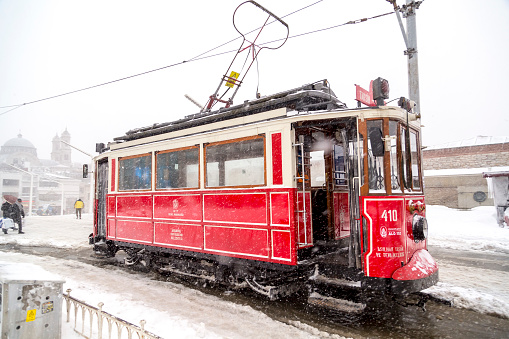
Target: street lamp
(91, 181)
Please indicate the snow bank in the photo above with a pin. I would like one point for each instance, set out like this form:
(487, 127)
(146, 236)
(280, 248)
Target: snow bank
(55, 231)
(467, 230)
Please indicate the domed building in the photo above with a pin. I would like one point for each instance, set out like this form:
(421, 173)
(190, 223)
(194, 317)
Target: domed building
(52, 182)
(19, 152)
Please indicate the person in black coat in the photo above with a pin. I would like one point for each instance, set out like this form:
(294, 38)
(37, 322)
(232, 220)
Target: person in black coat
(6, 212)
(14, 212)
(6, 209)
(19, 212)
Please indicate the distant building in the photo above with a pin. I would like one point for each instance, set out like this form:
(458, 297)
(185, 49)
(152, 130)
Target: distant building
(453, 172)
(55, 182)
(60, 150)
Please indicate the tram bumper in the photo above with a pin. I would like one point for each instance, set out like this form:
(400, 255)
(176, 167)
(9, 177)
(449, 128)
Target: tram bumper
(418, 274)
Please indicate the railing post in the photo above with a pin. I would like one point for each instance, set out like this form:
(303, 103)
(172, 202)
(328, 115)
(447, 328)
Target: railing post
(100, 319)
(68, 303)
(142, 325)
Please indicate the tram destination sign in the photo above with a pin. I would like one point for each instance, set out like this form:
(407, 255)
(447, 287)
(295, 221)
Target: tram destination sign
(365, 96)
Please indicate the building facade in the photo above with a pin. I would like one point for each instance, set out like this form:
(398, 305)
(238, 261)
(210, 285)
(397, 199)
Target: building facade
(453, 172)
(53, 185)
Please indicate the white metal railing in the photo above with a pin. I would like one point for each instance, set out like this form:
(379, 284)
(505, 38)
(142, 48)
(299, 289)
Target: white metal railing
(123, 327)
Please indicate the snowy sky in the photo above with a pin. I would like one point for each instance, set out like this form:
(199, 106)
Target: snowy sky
(53, 47)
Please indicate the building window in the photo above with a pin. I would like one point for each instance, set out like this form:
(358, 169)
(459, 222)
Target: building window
(48, 184)
(135, 173)
(10, 182)
(239, 162)
(177, 168)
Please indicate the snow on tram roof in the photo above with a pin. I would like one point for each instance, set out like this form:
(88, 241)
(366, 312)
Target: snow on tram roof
(314, 96)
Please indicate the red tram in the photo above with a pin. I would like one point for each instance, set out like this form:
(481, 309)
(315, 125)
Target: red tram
(272, 194)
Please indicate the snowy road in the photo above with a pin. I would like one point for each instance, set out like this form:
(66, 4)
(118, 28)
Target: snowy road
(475, 280)
(195, 311)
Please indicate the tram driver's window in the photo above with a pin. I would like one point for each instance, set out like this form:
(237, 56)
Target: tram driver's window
(238, 162)
(375, 156)
(416, 183)
(395, 177)
(177, 168)
(135, 173)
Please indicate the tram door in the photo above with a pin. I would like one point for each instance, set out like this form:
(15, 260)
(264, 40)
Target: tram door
(101, 191)
(327, 181)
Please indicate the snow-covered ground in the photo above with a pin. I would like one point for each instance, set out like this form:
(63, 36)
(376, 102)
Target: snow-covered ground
(172, 310)
(483, 290)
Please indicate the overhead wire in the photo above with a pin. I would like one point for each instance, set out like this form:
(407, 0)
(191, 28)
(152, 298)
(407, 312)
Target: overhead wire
(196, 58)
(254, 30)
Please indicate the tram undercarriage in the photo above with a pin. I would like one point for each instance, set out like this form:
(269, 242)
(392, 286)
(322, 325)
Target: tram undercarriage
(325, 278)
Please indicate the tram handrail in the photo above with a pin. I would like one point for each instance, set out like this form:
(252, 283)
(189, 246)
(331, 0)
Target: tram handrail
(101, 316)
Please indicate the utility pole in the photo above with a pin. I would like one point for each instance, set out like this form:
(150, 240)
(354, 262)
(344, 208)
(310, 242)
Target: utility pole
(413, 65)
(410, 37)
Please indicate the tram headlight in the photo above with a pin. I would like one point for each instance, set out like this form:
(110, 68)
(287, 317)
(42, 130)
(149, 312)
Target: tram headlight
(419, 227)
(380, 91)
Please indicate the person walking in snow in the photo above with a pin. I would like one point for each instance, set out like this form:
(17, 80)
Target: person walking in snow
(6, 213)
(6, 209)
(78, 205)
(16, 213)
(22, 215)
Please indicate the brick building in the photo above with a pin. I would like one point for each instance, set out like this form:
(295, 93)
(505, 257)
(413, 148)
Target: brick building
(453, 172)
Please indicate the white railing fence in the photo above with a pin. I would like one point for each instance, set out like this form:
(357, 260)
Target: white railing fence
(84, 323)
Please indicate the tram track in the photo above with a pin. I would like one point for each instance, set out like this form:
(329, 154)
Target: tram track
(390, 321)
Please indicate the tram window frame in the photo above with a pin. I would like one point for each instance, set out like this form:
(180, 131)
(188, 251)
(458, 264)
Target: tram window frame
(339, 165)
(181, 169)
(376, 183)
(317, 168)
(415, 161)
(224, 149)
(411, 163)
(394, 153)
(127, 172)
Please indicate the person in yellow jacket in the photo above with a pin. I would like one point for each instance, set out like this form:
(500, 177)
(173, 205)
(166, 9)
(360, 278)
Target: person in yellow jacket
(78, 205)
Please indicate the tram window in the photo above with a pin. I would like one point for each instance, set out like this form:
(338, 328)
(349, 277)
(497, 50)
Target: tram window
(177, 169)
(404, 163)
(317, 170)
(415, 161)
(236, 163)
(135, 173)
(375, 157)
(393, 130)
(353, 154)
(339, 165)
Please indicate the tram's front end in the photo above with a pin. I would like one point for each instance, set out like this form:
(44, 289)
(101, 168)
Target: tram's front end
(393, 209)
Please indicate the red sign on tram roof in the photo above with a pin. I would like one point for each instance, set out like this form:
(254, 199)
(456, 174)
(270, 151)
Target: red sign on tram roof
(364, 96)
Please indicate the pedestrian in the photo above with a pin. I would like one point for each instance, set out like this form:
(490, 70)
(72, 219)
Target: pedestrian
(16, 216)
(6, 213)
(22, 215)
(78, 205)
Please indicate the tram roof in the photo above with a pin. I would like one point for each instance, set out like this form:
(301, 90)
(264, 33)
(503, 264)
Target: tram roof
(314, 96)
